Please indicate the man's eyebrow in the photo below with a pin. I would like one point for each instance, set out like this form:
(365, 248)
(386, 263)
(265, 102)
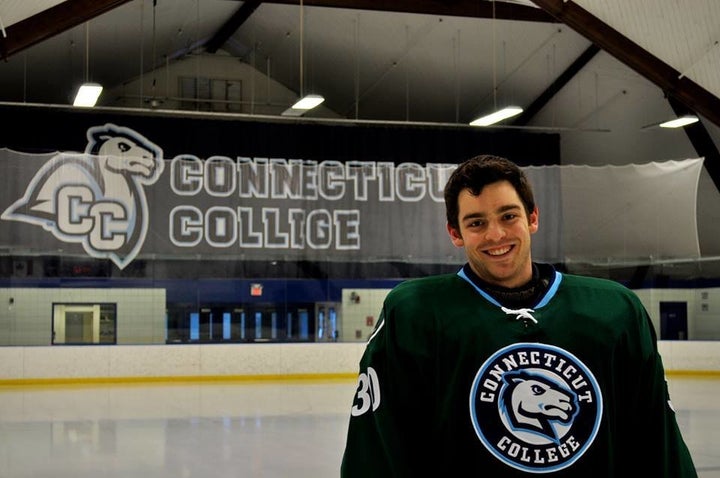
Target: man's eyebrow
(509, 207)
(501, 210)
(474, 215)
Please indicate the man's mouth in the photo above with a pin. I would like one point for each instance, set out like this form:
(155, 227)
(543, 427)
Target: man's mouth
(498, 251)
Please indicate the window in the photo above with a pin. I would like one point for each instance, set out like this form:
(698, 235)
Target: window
(210, 94)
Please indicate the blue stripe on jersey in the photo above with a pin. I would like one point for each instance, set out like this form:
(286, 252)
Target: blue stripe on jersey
(543, 302)
(551, 290)
(462, 274)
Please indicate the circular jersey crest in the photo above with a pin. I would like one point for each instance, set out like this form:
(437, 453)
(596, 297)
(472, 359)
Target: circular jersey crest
(535, 407)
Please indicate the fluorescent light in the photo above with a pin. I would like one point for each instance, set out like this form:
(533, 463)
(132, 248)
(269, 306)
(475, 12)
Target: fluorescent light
(88, 95)
(303, 105)
(308, 102)
(498, 116)
(680, 122)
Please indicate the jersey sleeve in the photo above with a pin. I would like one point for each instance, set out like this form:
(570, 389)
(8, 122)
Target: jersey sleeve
(388, 431)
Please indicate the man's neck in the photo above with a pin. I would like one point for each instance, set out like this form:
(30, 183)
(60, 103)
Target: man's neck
(526, 295)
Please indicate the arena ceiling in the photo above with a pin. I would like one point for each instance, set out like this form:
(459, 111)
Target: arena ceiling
(574, 66)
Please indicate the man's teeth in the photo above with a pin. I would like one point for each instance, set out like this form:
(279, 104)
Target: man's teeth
(498, 252)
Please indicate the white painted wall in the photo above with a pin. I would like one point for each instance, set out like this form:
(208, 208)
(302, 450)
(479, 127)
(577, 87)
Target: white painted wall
(360, 315)
(703, 306)
(26, 314)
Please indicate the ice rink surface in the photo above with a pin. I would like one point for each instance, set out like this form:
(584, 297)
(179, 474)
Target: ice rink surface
(229, 429)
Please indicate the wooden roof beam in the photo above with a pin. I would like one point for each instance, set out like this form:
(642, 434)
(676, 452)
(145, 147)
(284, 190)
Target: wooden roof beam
(50, 22)
(640, 60)
(456, 8)
(231, 25)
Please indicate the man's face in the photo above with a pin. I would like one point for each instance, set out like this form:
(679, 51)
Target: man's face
(495, 232)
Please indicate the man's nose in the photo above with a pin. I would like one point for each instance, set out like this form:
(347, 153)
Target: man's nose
(495, 231)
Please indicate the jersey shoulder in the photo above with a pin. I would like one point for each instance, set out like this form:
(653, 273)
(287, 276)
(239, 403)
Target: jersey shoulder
(603, 293)
(425, 289)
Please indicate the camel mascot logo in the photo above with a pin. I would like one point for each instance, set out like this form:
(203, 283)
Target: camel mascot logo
(97, 198)
(535, 407)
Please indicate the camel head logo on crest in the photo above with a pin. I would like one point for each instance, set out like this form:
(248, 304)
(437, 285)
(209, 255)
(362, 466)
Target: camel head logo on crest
(534, 403)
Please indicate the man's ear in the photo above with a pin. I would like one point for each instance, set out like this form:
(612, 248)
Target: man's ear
(455, 236)
(533, 220)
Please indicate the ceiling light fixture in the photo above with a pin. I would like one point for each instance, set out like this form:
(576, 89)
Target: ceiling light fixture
(306, 102)
(496, 117)
(503, 113)
(680, 122)
(88, 94)
(303, 105)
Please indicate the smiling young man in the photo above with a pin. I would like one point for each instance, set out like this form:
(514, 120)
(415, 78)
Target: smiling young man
(510, 368)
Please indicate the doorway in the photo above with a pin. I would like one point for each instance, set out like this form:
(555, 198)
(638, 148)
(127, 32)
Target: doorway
(673, 321)
(75, 324)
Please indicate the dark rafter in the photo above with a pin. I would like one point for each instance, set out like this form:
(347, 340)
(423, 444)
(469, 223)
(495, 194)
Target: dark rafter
(453, 8)
(231, 26)
(71, 13)
(556, 86)
(465, 8)
(664, 76)
(51, 22)
(701, 141)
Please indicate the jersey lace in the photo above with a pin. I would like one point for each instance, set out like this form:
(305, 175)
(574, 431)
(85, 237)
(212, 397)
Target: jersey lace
(521, 314)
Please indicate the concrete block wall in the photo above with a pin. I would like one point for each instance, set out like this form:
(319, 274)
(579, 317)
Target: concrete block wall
(703, 309)
(26, 314)
(360, 312)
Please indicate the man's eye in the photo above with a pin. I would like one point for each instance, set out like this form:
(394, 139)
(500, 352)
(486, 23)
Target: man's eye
(510, 216)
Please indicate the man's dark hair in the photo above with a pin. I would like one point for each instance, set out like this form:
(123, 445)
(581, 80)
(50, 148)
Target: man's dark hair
(476, 173)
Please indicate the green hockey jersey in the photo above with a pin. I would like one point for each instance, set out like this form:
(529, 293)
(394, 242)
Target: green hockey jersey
(452, 383)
